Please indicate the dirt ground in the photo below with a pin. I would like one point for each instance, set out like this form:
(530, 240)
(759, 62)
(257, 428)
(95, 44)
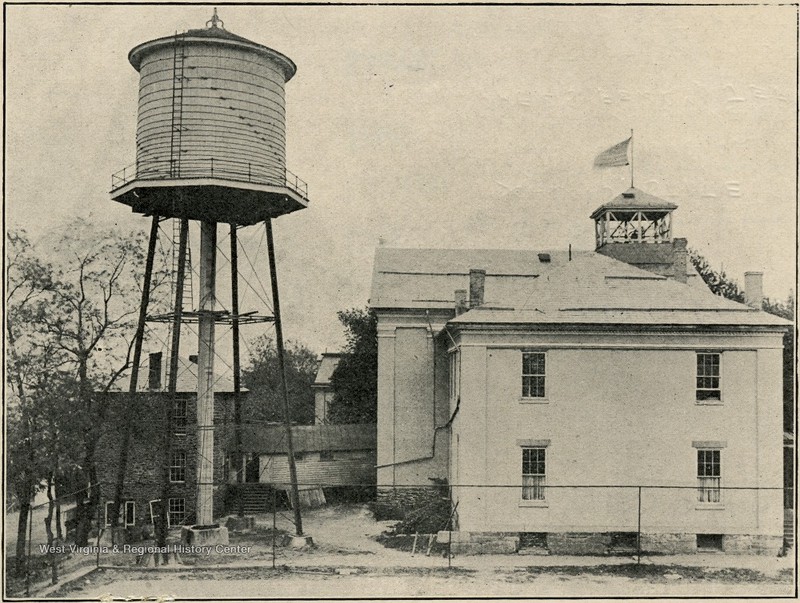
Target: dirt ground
(348, 561)
(601, 581)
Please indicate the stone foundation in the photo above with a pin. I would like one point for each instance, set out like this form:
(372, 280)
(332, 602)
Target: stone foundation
(602, 543)
(669, 543)
(746, 544)
(578, 543)
(482, 543)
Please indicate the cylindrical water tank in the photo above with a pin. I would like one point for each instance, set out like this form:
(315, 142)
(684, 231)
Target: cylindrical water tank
(211, 104)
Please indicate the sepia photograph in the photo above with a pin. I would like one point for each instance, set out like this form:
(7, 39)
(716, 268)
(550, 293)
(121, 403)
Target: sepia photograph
(399, 301)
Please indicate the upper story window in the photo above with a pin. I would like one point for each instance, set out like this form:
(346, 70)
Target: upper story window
(179, 416)
(533, 374)
(708, 380)
(177, 467)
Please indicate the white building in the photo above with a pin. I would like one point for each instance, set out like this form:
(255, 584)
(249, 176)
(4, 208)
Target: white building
(568, 380)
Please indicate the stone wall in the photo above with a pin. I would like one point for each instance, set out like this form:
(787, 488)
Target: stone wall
(146, 455)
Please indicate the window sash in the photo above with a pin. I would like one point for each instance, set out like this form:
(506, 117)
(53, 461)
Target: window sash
(709, 476)
(130, 513)
(108, 506)
(177, 511)
(533, 374)
(708, 376)
(533, 487)
(533, 473)
(179, 417)
(177, 468)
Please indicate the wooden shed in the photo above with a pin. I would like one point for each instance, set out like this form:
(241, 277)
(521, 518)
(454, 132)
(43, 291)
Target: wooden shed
(326, 456)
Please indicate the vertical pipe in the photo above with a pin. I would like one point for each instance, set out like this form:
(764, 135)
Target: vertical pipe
(205, 375)
(639, 530)
(274, 522)
(295, 496)
(237, 386)
(137, 359)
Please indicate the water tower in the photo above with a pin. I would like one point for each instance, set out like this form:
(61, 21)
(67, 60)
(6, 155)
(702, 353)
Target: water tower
(210, 147)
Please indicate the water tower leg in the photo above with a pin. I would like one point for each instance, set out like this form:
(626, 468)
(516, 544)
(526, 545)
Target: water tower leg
(172, 384)
(134, 383)
(276, 307)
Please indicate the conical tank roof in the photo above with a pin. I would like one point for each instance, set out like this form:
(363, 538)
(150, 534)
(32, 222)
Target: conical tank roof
(212, 35)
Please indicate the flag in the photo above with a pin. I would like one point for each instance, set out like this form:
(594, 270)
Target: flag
(616, 156)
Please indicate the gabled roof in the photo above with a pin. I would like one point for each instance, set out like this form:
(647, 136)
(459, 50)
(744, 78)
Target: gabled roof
(428, 278)
(595, 289)
(632, 199)
(328, 364)
(271, 439)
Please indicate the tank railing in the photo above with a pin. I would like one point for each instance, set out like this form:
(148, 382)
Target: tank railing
(210, 167)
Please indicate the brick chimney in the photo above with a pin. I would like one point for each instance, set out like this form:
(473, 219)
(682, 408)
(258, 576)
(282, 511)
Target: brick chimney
(477, 281)
(753, 289)
(461, 301)
(154, 372)
(680, 257)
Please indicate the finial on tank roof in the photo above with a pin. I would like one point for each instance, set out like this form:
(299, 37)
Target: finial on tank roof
(215, 21)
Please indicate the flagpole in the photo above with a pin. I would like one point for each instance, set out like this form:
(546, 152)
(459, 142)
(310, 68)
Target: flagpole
(631, 157)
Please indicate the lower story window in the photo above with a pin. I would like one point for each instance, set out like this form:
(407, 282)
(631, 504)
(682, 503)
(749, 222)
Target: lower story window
(533, 473)
(127, 512)
(708, 476)
(130, 513)
(177, 511)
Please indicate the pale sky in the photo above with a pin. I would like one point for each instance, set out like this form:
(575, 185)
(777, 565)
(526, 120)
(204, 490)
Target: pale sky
(440, 127)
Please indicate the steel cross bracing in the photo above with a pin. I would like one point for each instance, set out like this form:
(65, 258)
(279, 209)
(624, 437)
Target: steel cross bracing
(222, 316)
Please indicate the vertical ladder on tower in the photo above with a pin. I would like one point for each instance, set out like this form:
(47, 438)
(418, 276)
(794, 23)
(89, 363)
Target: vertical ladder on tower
(187, 301)
(176, 125)
(176, 130)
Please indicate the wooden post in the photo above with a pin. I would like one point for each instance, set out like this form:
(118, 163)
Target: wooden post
(134, 383)
(274, 522)
(276, 306)
(639, 530)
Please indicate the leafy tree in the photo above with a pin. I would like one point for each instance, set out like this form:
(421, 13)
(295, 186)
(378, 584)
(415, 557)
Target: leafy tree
(262, 378)
(721, 284)
(355, 380)
(29, 287)
(84, 327)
